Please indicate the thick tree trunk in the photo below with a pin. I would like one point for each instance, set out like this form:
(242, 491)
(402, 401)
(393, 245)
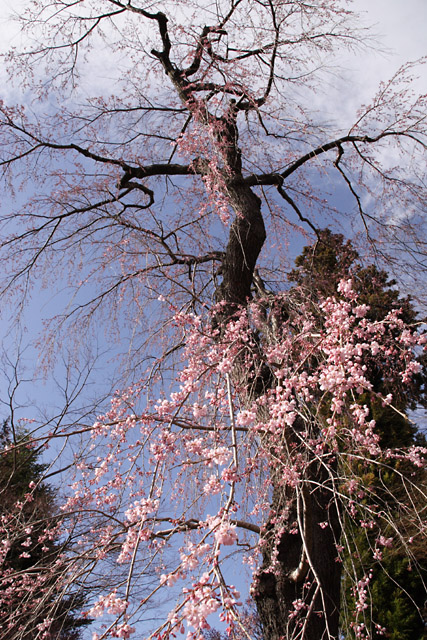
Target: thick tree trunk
(247, 235)
(299, 556)
(300, 567)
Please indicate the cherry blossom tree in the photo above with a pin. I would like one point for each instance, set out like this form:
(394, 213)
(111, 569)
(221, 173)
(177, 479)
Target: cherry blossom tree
(241, 431)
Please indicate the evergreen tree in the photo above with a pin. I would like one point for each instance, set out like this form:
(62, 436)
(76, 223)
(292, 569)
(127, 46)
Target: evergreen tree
(31, 550)
(396, 583)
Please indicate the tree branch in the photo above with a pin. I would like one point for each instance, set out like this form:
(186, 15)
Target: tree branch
(276, 178)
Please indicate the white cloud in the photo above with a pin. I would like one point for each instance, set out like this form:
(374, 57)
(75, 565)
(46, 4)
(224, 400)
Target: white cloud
(398, 27)
(400, 24)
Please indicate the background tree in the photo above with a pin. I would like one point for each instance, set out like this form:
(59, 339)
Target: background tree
(31, 547)
(396, 592)
(162, 205)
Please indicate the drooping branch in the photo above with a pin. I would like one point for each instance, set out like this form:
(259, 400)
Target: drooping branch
(156, 169)
(277, 178)
(194, 524)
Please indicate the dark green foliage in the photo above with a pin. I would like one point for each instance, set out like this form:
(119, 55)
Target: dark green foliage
(397, 588)
(398, 595)
(35, 520)
(318, 271)
(320, 267)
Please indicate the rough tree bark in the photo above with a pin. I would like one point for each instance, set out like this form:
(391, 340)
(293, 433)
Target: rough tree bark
(295, 567)
(306, 570)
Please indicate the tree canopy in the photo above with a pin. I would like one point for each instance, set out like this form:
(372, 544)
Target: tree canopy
(160, 210)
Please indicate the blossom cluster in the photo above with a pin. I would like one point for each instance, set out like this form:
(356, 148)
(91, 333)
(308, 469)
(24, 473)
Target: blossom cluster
(158, 465)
